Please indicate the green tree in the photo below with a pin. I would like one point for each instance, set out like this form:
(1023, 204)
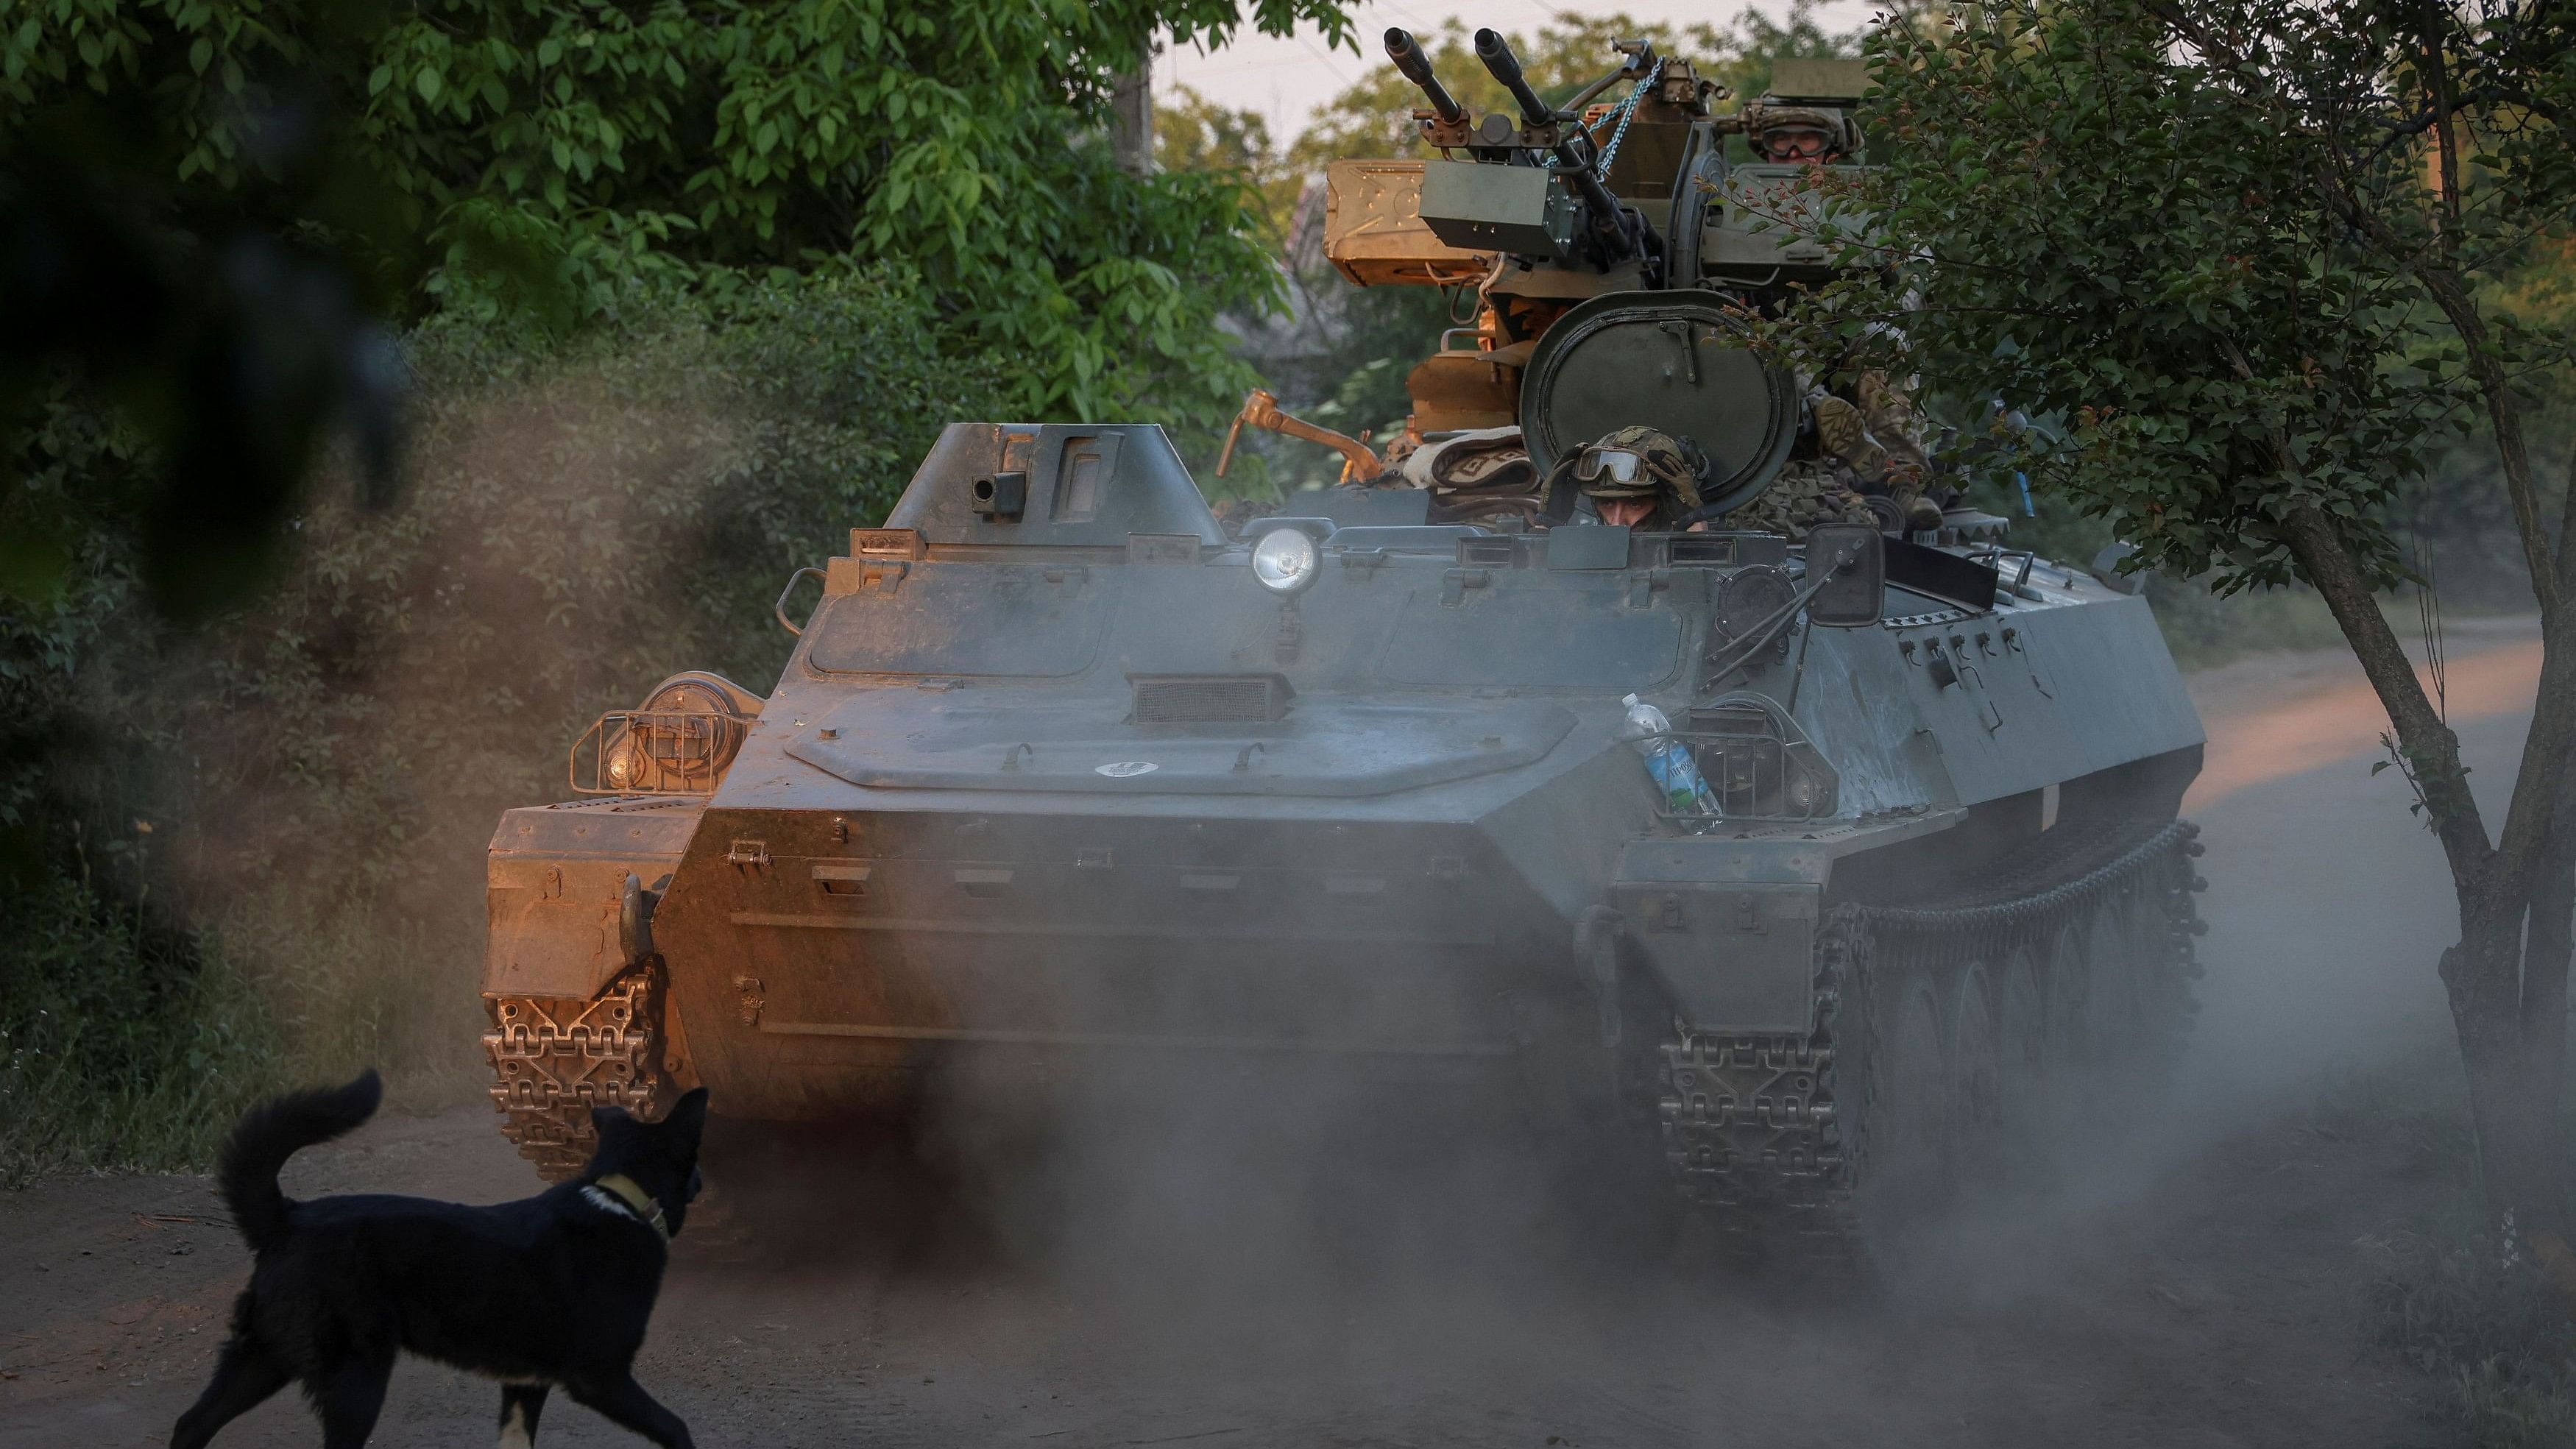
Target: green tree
(1193, 133)
(2249, 253)
(265, 834)
(259, 175)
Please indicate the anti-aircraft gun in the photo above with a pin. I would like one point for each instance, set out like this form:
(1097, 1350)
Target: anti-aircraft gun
(1565, 211)
(1604, 238)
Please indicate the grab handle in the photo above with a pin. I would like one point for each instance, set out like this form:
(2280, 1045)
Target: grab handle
(780, 608)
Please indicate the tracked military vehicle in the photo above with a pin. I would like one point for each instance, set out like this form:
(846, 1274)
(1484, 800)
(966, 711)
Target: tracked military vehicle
(1060, 768)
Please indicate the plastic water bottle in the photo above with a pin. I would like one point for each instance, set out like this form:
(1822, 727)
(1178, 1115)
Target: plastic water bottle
(1668, 763)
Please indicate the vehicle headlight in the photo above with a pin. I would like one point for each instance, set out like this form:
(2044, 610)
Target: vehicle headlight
(1286, 560)
(627, 767)
(677, 743)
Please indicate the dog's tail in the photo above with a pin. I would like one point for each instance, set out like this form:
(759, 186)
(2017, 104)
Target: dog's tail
(274, 1131)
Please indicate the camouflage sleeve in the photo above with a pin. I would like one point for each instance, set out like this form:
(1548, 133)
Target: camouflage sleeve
(1897, 426)
(1841, 432)
(1805, 494)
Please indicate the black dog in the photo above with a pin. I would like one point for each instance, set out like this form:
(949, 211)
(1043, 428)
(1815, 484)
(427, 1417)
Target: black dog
(553, 1289)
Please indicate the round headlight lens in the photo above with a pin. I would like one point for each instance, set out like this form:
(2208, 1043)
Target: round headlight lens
(626, 765)
(1286, 560)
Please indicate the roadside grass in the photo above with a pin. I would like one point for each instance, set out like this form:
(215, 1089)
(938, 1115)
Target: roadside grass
(2456, 1303)
(2443, 1288)
(2205, 631)
(129, 1045)
(124, 1042)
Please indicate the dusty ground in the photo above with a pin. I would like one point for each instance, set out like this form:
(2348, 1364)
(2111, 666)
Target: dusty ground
(2190, 1282)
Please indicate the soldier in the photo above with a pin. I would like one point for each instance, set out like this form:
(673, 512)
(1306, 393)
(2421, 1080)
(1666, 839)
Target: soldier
(1849, 453)
(1801, 135)
(1866, 430)
(1808, 491)
(1641, 478)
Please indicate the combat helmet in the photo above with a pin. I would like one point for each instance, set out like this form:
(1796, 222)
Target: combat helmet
(1641, 462)
(1821, 134)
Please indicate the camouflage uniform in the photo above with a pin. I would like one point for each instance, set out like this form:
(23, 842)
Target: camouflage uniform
(1807, 492)
(1864, 444)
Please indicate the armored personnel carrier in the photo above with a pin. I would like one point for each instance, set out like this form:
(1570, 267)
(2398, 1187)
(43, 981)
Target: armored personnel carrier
(1059, 767)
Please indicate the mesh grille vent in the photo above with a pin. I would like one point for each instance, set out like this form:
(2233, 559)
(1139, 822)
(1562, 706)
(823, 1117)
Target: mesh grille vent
(1209, 699)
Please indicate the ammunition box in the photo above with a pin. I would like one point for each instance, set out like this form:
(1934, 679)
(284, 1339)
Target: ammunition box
(1523, 210)
(1373, 230)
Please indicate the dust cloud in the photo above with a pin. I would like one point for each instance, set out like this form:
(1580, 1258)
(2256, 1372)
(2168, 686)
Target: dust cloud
(344, 750)
(1286, 1250)
(1290, 1254)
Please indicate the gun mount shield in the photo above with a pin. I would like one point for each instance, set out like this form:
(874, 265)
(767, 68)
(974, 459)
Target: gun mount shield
(1674, 362)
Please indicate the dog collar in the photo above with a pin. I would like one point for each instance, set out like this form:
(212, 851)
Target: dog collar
(619, 1193)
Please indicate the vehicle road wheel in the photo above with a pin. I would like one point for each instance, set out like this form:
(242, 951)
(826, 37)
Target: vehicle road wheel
(1909, 1176)
(1977, 1082)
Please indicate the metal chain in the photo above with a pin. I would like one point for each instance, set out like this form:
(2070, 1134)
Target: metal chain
(553, 1059)
(1779, 1124)
(1627, 112)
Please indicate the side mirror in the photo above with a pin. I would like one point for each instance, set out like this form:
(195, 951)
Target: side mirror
(1847, 567)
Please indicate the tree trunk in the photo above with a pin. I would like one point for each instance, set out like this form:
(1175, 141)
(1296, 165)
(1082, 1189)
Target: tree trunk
(2516, 1125)
(2551, 941)
(1131, 119)
(2432, 751)
(2495, 994)
(2507, 987)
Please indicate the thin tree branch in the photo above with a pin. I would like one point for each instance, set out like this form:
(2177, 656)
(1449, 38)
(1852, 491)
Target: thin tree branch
(2451, 293)
(2431, 749)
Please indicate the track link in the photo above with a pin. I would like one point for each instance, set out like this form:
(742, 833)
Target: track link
(555, 1058)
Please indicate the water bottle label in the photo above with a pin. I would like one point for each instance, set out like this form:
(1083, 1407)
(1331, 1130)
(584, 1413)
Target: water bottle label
(1676, 777)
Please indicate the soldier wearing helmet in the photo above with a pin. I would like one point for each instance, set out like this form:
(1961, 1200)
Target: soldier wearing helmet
(1641, 478)
(1797, 135)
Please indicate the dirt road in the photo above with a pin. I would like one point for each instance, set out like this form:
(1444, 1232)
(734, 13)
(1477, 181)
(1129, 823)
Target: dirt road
(2190, 1283)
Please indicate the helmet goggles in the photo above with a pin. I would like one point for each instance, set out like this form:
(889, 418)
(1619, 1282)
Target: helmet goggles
(1622, 465)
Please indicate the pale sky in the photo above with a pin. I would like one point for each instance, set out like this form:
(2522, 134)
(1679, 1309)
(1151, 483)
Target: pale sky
(1287, 78)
